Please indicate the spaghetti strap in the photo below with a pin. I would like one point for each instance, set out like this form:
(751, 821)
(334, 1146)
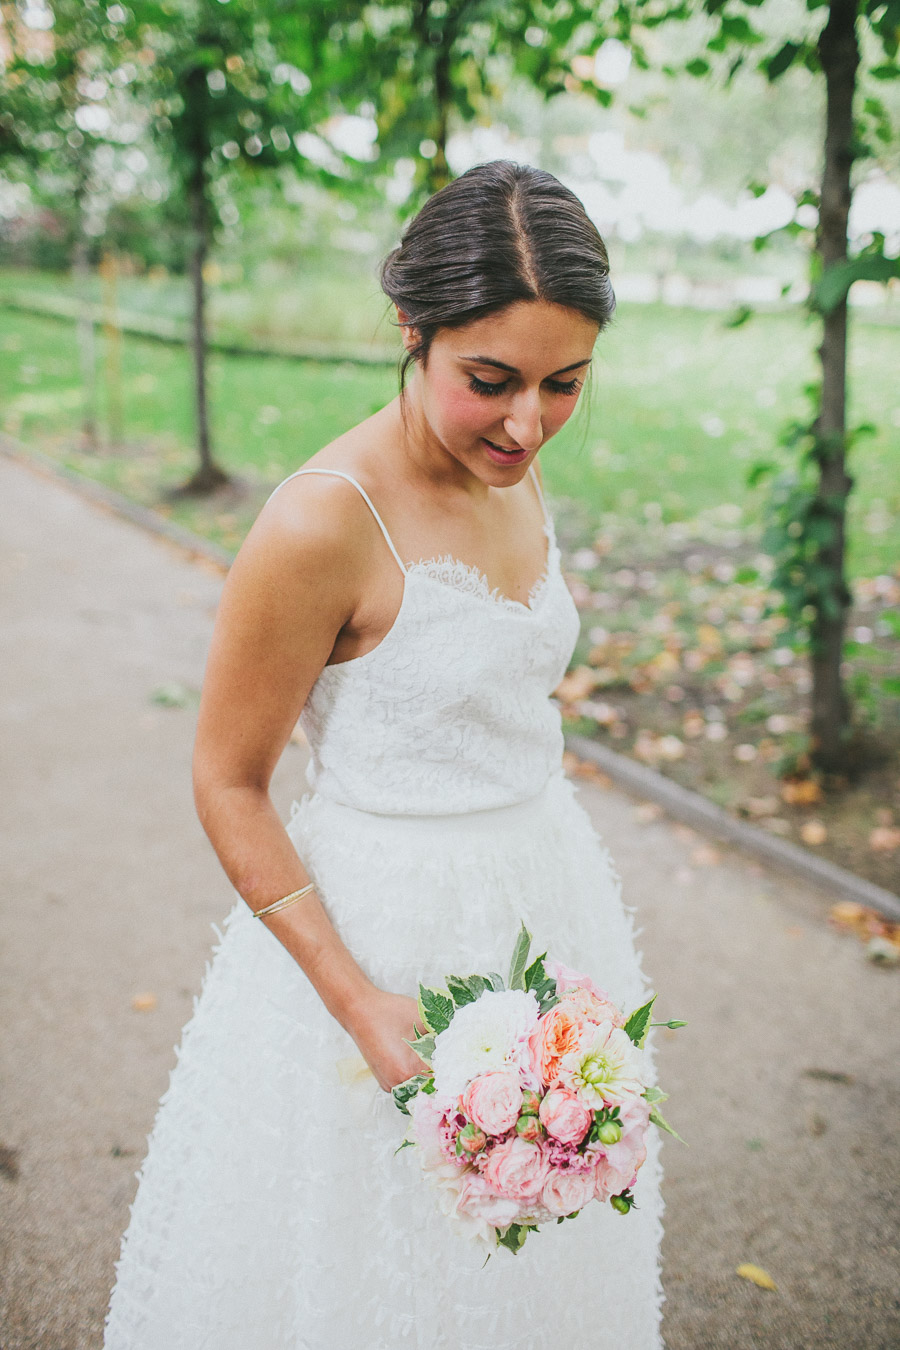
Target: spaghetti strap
(338, 473)
(548, 520)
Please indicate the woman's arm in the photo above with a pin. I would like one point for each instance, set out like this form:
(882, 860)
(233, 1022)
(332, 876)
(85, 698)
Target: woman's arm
(297, 581)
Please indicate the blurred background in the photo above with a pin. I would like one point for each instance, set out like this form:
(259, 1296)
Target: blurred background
(194, 199)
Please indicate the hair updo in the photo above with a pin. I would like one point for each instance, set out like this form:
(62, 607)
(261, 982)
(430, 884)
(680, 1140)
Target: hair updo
(500, 233)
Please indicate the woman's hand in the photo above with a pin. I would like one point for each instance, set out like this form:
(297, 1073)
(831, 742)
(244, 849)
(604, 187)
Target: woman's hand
(381, 1026)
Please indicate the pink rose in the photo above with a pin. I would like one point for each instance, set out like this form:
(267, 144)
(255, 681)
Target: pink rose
(567, 1192)
(478, 1200)
(493, 1100)
(516, 1169)
(564, 1116)
(566, 978)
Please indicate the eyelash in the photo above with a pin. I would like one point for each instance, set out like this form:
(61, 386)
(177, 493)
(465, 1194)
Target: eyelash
(488, 390)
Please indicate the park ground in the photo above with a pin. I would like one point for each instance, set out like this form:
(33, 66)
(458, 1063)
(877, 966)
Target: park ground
(785, 1082)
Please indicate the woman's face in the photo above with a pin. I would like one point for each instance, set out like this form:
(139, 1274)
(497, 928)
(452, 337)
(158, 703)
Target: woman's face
(492, 393)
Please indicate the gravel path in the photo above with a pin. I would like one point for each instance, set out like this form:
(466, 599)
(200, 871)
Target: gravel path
(786, 1082)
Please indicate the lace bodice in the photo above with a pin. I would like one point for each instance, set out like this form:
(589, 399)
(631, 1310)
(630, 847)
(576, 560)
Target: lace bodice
(451, 712)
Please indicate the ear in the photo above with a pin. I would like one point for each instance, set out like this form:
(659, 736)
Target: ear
(408, 330)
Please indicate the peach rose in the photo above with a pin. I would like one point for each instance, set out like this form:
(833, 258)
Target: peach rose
(558, 1033)
(564, 1116)
(517, 1169)
(492, 1100)
(594, 1007)
(567, 1192)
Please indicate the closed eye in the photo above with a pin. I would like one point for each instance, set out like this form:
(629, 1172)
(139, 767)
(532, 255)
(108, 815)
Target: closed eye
(489, 389)
(485, 387)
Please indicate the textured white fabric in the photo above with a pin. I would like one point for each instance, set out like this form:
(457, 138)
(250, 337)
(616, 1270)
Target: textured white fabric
(272, 1213)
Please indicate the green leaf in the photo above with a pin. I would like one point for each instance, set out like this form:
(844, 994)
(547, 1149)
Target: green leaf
(423, 1046)
(495, 981)
(514, 1237)
(638, 1023)
(407, 1143)
(739, 316)
(698, 67)
(833, 286)
(655, 1094)
(536, 974)
(663, 1124)
(783, 58)
(435, 1009)
(460, 991)
(519, 959)
(404, 1092)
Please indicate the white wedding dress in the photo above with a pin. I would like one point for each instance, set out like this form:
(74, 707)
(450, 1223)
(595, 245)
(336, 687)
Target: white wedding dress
(272, 1212)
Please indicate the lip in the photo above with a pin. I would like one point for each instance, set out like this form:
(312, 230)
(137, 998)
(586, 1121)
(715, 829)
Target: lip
(500, 456)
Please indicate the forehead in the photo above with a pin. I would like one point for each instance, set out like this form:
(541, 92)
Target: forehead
(526, 335)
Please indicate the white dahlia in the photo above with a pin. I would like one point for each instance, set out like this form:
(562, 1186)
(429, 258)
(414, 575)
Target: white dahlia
(491, 1033)
(605, 1070)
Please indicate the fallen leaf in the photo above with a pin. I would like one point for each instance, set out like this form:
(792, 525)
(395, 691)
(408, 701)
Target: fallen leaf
(705, 856)
(882, 952)
(829, 1076)
(802, 792)
(647, 812)
(884, 839)
(761, 806)
(144, 1002)
(818, 1124)
(813, 832)
(580, 683)
(174, 695)
(756, 1275)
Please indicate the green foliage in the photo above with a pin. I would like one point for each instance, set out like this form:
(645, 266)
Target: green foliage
(435, 1009)
(513, 1237)
(638, 1023)
(540, 984)
(404, 1092)
(659, 1120)
(519, 959)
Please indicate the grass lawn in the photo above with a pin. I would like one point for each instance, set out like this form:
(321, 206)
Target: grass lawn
(679, 663)
(680, 407)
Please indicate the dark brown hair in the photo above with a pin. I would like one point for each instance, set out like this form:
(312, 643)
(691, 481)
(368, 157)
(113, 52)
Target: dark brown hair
(500, 233)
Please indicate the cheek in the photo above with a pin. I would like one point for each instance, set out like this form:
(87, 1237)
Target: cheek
(458, 407)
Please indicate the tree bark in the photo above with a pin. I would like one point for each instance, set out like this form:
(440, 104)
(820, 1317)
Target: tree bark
(208, 475)
(87, 346)
(830, 720)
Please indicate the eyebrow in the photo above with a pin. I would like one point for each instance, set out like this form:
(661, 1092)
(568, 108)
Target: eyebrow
(501, 365)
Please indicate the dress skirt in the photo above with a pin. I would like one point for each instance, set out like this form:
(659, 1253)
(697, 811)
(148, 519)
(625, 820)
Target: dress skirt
(273, 1213)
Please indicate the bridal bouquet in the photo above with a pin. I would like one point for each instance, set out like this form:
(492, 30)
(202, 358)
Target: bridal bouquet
(535, 1101)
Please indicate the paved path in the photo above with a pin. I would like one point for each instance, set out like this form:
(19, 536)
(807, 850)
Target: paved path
(786, 1081)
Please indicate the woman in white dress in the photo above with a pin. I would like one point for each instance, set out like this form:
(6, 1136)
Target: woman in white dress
(402, 594)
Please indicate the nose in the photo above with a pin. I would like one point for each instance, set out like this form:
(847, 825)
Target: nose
(523, 423)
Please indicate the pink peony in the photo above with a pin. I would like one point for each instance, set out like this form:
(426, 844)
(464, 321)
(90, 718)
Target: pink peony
(558, 1033)
(492, 1100)
(608, 1180)
(478, 1201)
(517, 1169)
(567, 1192)
(595, 1008)
(631, 1151)
(564, 1116)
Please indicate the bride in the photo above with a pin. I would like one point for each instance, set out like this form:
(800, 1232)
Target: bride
(402, 595)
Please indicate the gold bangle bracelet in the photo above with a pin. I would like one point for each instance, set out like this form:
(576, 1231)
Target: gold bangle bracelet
(284, 901)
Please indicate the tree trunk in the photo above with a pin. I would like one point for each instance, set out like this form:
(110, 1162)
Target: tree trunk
(830, 722)
(208, 476)
(87, 347)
